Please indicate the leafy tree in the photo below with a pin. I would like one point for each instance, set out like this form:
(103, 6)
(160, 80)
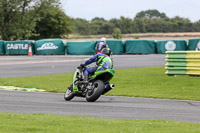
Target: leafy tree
(116, 22)
(156, 25)
(139, 25)
(117, 33)
(181, 24)
(98, 19)
(81, 26)
(98, 26)
(53, 23)
(196, 26)
(107, 28)
(17, 19)
(126, 25)
(150, 14)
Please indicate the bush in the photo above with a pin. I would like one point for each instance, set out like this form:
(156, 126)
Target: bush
(117, 33)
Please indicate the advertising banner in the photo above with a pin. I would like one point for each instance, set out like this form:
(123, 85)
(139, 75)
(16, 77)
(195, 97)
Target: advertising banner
(171, 45)
(17, 47)
(50, 47)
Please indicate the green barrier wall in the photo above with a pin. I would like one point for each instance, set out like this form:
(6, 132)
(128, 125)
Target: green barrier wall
(193, 43)
(116, 46)
(171, 45)
(183, 63)
(50, 47)
(140, 46)
(80, 48)
(1, 47)
(17, 47)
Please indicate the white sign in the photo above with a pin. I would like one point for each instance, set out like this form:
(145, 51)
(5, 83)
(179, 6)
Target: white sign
(17, 46)
(47, 46)
(198, 44)
(170, 46)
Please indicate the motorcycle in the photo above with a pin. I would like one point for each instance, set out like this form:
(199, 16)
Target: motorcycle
(91, 90)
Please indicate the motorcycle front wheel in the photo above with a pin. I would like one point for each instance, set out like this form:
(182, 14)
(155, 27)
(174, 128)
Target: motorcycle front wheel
(93, 94)
(69, 94)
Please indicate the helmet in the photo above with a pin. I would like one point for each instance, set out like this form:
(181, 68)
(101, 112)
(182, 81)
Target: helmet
(103, 39)
(106, 51)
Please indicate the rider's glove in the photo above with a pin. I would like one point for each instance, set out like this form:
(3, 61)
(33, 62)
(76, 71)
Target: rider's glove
(82, 65)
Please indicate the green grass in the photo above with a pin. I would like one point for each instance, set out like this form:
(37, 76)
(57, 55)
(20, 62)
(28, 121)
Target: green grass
(137, 82)
(44, 123)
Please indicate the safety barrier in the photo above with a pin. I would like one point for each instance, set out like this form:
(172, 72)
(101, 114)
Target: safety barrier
(50, 47)
(182, 63)
(1, 47)
(139, 46)
(80, 48)
(171, 45)
(60, 47)
(17, 47)
(194, 44)
(116, 46)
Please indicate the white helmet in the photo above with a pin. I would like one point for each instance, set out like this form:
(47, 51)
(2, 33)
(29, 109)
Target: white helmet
(103, 39)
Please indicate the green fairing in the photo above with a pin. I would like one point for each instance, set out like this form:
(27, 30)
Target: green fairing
(111, 71)
(75, 88)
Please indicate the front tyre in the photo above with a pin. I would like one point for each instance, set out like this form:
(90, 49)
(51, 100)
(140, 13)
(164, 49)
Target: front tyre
(95, 93)
(69, 94)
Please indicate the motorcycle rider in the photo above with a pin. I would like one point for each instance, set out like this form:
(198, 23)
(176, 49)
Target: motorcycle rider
(102, 44)
(103, 62)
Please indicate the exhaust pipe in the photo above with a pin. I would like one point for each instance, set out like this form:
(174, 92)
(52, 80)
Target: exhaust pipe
(112, 86)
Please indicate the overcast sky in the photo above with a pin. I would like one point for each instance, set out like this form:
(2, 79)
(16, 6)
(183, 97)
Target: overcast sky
(88, 9)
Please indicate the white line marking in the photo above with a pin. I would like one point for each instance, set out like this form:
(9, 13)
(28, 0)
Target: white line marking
(36, 62)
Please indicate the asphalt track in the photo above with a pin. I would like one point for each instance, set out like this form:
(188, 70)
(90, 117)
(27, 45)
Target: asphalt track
(110, 107)
(20, 66)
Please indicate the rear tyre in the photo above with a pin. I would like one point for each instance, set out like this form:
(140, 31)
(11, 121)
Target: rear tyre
(69, 94)
(95, 93)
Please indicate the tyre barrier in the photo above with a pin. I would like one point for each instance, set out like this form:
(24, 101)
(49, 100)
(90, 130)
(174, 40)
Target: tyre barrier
(182, 63)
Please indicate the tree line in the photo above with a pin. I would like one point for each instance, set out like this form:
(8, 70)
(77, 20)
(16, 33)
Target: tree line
(36, 19)
(148, 21)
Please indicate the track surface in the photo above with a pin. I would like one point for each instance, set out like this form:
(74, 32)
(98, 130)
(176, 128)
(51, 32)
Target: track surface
(106, 107)
(110, 107)
(20, 66)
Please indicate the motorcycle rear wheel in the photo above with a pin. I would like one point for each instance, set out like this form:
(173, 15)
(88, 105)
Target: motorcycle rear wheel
(95, 93)
(69, 94)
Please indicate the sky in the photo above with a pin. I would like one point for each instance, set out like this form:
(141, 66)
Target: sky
(108, 9)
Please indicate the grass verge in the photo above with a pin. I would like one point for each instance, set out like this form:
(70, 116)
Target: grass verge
(137, 82)
(44, 123)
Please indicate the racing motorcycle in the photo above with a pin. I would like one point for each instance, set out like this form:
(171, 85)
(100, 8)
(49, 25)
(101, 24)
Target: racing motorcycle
(93, 88)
